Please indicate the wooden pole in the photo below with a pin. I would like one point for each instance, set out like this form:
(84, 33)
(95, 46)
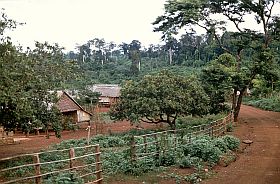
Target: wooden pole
(145, 144)
(36, 160)
(72, 157)
(157, 147)
(212, 130)
(98, 165)
(88, 133)
(133, 149)
(175, 139)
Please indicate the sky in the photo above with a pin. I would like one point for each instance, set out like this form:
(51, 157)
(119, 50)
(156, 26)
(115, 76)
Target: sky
(73, 22)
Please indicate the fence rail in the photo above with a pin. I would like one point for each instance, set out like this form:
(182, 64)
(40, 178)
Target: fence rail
(37, 176)
(213, 129)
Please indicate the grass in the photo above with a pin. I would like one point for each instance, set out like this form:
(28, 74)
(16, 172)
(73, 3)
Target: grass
(270, 103)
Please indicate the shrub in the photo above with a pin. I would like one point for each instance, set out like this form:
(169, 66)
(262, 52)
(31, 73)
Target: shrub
(66, 178)
(188, 162)
(220, 143)
(272, 103)
(203, 149)
(168, 158)
(230, 127)
(231, 142)
(228, 158)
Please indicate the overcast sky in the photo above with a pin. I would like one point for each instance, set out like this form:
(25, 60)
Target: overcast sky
(72, 22)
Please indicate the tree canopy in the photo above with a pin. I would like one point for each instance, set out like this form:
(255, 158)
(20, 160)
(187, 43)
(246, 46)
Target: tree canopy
(160, 98)
(203, 13)
(26, 81)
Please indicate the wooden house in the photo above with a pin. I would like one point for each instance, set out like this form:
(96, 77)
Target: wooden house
(70, 108)
(109, 93)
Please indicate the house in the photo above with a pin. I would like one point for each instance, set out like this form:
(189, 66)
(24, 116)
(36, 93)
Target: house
(109, 93)
(70, 108)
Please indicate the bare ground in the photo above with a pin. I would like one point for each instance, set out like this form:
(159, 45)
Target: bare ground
(260, 162)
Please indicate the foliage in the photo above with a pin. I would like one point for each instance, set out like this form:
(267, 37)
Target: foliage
(221, 144)
(231, 142)
(271, 103)
(28, 78)
(160, 98)
(229, 127)
(189, 121)
(216, 78)
(228, 158)
(66, 178)
(204, 149)
(188, 161)
(258, 45)
(168, 158)
(87, 97)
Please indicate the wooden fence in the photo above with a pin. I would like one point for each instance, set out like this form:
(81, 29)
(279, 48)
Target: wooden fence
(165, 140)
(75, 164)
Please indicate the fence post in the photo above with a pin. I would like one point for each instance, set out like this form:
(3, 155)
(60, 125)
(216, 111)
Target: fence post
(157, 146)
(72, 157)
(36, 160)
(225, 124)
(145, 143)
(98, 165)
(166, 142)
(175, 139)
(133, 149)
(211, 129)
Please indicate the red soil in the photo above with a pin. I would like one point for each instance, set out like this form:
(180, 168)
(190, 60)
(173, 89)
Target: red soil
(258, 163)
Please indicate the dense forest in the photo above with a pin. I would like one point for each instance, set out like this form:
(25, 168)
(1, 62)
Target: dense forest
(221, 62)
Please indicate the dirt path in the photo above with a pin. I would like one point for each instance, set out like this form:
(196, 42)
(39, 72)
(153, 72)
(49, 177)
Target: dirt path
(260, 162)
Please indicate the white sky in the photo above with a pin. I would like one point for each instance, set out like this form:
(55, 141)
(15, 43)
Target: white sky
(72, 22)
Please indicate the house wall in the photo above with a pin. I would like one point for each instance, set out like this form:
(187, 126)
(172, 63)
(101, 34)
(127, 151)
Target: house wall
(82, 116)
(72, 115)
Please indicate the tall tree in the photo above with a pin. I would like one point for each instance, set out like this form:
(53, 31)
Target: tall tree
(135, 56)
(188, 14)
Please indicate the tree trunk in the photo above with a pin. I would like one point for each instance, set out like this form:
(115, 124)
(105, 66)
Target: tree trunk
(234, 97)
(170, 56)
(238, 105)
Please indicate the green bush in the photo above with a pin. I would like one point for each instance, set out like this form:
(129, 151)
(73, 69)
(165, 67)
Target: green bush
(231, 142)
(168, 158)
(189, 121)
(203, 149)
(230, 127)
(66, 178)
(188, 162)
(221, 144)
(271, 104)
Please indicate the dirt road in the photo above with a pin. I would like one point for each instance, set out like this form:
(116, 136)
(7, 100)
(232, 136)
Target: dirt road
(260, 162)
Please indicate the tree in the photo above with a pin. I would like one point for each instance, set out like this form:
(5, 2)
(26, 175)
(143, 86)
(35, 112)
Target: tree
(160, 98)
(216, 79)
(87, 97)
(14, 80)
(188, 14)
(26, 81)
(134, 55)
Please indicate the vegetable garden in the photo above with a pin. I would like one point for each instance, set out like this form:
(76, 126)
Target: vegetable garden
(132, 153)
